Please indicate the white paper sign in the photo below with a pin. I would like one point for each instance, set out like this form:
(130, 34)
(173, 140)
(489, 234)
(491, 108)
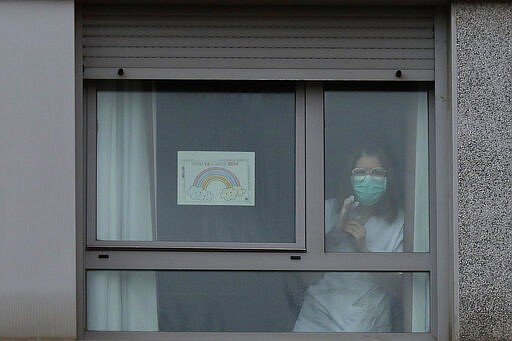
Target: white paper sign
(216, 178)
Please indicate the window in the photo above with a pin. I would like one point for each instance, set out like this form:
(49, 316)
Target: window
(169, 251)
(265, 173)
(394, 125)
(168, 154)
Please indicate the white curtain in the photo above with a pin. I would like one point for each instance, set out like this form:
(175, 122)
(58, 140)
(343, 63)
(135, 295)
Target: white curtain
(124, 300)
(421, 294)
(421, 200)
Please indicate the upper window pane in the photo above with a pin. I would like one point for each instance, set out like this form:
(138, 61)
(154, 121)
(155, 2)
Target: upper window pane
(376, 171)
(196, 162)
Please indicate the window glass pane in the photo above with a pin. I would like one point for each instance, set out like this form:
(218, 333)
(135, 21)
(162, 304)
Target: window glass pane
(196, 162)
(376, 171)
(258, 301)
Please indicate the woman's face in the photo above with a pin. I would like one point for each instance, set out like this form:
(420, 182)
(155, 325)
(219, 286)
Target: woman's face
(368, 184)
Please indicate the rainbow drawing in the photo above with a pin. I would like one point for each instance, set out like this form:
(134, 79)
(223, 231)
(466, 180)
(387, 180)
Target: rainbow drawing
(232, 188)
(211, 174)
(210, 178)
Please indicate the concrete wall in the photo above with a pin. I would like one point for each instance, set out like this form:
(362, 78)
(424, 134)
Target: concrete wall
(484, 132)
(37, 169)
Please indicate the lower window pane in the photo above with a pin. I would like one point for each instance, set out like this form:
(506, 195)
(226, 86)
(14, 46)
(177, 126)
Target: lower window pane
(258, 301)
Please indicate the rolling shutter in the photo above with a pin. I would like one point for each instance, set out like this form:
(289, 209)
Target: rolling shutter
(156, 42)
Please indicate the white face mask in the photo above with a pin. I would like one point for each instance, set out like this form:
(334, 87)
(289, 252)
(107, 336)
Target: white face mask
(368, 189)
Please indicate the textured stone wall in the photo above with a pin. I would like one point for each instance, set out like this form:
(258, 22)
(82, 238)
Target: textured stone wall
(484, 132)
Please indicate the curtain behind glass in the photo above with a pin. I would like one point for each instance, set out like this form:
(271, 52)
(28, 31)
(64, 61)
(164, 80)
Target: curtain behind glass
(421, 290)
(421, 212)
(118, 301)
(125, 165)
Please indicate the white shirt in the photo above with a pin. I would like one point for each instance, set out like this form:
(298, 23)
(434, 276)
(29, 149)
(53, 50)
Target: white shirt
(352, 301)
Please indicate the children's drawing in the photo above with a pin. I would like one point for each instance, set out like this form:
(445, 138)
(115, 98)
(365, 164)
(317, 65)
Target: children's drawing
(215, 178)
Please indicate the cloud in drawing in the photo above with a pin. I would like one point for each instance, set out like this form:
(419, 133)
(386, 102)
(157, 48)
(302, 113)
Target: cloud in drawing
(197, 193)
(232, 193)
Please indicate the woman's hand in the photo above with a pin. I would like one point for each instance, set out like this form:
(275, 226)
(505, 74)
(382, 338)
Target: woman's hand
(358, 232)
(339, 230)
(342, 216)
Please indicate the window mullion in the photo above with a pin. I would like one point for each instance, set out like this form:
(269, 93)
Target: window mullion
(259, 261)
(233, 336)
(314, 168)
(300, 166)
(91, 138)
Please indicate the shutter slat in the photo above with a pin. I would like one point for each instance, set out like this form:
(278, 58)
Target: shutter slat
(166, 37)
(256, 11)
(286, 63)
(281, 53)
(254, 21)
(255, 32)
(397, 43)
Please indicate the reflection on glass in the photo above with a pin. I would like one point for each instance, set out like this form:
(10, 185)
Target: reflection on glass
(376, 171)
(142, 128)
(258, 301)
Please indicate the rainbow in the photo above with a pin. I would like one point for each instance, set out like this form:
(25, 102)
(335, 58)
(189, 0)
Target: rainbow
(211, 174)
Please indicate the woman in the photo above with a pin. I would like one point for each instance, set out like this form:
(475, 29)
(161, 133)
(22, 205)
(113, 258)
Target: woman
(369, 219)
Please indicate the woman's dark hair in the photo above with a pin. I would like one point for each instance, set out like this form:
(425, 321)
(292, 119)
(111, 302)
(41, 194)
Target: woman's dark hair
(390, 203)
